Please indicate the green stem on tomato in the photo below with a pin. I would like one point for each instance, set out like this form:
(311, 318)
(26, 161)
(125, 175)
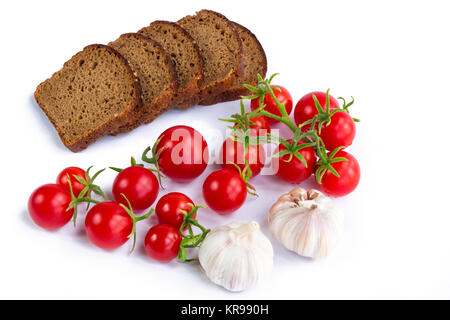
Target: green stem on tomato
(323, 117)
(284, 115)
(134, 219)
(154, 159)
(85, 194)
(191, 240)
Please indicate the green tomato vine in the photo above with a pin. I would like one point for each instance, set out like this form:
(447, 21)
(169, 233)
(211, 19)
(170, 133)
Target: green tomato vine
(189, 240)
(301, 139)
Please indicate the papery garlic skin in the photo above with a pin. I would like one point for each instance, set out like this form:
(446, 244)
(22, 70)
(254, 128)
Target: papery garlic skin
(306, 222)
(236, 256)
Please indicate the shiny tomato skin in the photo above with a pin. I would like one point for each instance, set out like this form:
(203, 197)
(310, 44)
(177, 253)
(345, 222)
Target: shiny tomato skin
(173, 163)
(260, 126)
(139, 185)
(108, 225)
(340, 132)
(349, 172)
(76, 186)
(294, 171)
(283, 96)
(47, 206)
(233, 152)
(305, 109)
(169, 208)
(162, 242)
(224, 191)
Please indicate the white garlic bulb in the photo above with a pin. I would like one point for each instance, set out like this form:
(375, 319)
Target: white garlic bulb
(236, 256)
(306, 222)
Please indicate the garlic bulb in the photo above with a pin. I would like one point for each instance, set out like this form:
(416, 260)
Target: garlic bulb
(306, 222)
(236, 256)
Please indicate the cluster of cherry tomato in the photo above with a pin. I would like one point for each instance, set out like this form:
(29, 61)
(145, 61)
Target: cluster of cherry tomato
(342, 172)
(181, 153)
(110, 224)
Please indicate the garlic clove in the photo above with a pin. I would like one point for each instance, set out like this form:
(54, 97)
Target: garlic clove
(236, 256)
(306, 222)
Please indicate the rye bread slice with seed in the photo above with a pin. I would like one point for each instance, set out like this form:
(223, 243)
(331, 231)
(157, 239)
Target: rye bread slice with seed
(255, 62)
(185, 56)
(221, 49)
(90, 97)
(156, 75)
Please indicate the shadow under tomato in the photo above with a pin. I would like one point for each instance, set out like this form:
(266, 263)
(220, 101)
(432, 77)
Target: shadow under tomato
(26, 219)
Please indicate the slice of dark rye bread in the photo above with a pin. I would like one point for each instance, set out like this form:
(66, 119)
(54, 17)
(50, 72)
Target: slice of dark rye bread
(255, 62)
(185, 56)
(156, 75)
(90, 97)
(221, 49)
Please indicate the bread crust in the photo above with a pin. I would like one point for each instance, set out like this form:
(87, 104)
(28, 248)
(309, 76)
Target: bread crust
(147, 113)
(189, 95)
(236, 93)
(106, 128)
(136, 113)
(207, 94)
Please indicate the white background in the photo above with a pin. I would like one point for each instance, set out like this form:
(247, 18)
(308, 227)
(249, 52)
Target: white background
(392, 56)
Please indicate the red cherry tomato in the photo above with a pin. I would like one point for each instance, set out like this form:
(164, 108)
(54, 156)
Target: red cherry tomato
(305, 109)
(108, 225)
(185, 154)
(139, 185)
(76, 186)
(294, 171)
(48, 205)
(349, 173)
(233, 152)
(260, 128)
(340, 132)
(224, 191)
(162, 242)
(169, 208)
(283, 96)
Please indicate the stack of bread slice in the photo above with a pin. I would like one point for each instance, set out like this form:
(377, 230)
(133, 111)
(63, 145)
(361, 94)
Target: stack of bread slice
(111, 89)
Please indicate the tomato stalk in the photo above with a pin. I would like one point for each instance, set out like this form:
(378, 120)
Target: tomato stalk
(85, 194)
(345, 107)
(246, 174)
(262, 88)
(241, 130)
(293, 148)
(154, 159)
(311, 137)
(324, 115)
(190, 240)
(241, 133)
(135, 164)
(242, 120)
(135, 219)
